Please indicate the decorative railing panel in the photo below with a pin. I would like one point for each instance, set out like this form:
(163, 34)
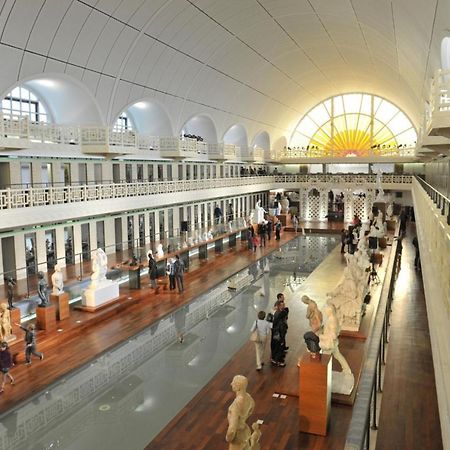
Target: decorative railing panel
(28, 197)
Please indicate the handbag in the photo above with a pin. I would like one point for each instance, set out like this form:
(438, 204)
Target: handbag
(254, 337)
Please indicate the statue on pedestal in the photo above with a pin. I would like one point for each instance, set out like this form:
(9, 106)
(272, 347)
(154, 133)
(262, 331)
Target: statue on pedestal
(238, 433)
(389, 212)
(159, 251)
(284, 205)
(57, 281)
(5, 323)
(42, 290)
(313, 314)
(379, 187)
(99, 268)
(258, 215)
(329, 342)
(10, 286)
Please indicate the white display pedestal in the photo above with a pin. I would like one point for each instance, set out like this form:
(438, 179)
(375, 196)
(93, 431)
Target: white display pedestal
(95, 298)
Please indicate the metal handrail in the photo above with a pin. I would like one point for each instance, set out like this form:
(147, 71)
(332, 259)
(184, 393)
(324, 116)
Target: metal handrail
(439, 199)
(370, 380)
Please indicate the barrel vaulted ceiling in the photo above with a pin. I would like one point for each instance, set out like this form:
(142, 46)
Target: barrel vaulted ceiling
(261, 63)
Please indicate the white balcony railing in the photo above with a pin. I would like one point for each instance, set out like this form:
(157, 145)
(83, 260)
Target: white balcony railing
(29, 197)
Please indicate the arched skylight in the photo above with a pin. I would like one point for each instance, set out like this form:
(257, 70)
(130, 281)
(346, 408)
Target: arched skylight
(22, 102)
(123, 123)
(354, 125)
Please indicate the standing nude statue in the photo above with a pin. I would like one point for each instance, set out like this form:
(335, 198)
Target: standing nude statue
(5, 322)
(313, 314)
(255, 437)
(99, 268)
(238, 433)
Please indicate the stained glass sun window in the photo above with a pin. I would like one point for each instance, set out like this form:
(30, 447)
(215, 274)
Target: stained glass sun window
(354, 125)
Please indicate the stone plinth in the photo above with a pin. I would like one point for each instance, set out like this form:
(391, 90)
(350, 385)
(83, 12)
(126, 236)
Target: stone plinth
(94, 298)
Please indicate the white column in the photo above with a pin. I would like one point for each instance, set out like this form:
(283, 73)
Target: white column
(41, 251)
(14, 174)
(176, 220)
(57, 173)
(19, 248)
(110, 235)
(147, 226)
(74, 173)
(136, 228)
(77, 245)
(107, 171)
(156, 225)
(60, 246)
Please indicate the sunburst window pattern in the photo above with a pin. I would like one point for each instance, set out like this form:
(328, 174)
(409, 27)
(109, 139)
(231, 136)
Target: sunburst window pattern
(353, 125)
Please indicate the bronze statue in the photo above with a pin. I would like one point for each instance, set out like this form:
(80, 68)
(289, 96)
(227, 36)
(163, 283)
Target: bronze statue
(11, 283)
(42, 290)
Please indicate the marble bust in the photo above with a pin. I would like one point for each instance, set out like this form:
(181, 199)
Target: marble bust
(57, 281)
(238, 433)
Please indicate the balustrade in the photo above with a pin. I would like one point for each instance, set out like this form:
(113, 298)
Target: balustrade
(40, 196)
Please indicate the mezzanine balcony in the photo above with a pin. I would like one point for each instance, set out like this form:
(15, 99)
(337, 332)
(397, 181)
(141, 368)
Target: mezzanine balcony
(14, 132)
(438, 123)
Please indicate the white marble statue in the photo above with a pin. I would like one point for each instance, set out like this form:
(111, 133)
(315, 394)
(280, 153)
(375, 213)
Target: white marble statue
(99, 268)
(313, 314)
(362, 231)
(379, 186)
(159, 251)
(389, 211)
(284, 205)
(329, 343)
(57, 281)
(347, 298)
(258, 214)
(238, 432)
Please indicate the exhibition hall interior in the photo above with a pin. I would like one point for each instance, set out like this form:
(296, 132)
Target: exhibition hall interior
(225, 224)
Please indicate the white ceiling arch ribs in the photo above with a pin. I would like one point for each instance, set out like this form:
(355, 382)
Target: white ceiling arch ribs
(262, 63)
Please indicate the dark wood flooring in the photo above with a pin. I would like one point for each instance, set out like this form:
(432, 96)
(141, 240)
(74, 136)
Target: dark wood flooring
(409, 416)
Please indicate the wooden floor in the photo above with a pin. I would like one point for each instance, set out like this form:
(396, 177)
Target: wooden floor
(86, 335)
(410, 421)
(409, 416)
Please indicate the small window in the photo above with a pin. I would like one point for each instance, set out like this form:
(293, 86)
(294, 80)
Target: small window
(123, 123)
(22, 102)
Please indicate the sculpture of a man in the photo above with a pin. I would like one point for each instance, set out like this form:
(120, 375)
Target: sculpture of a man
(57, 281)
(329, 342)
(259, 212)
(238, 433)
(159, 251)
(5, 322)
(99, 267)
(284, 205)
(42, 290)
(10, 286)
(313, 314)
(255, 437)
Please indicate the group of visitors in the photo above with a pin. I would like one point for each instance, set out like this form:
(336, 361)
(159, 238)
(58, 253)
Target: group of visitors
(275, 327)
(253, 171)
(174, 269)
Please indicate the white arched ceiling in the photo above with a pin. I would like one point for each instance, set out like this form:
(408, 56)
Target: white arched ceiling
(67, 100)
(259, 63)
(237, 135)
(262, 140)
(150, 118)
(280, 143)
(201, 125)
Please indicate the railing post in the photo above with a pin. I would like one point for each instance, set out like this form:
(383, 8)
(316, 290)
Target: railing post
(374, 413)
